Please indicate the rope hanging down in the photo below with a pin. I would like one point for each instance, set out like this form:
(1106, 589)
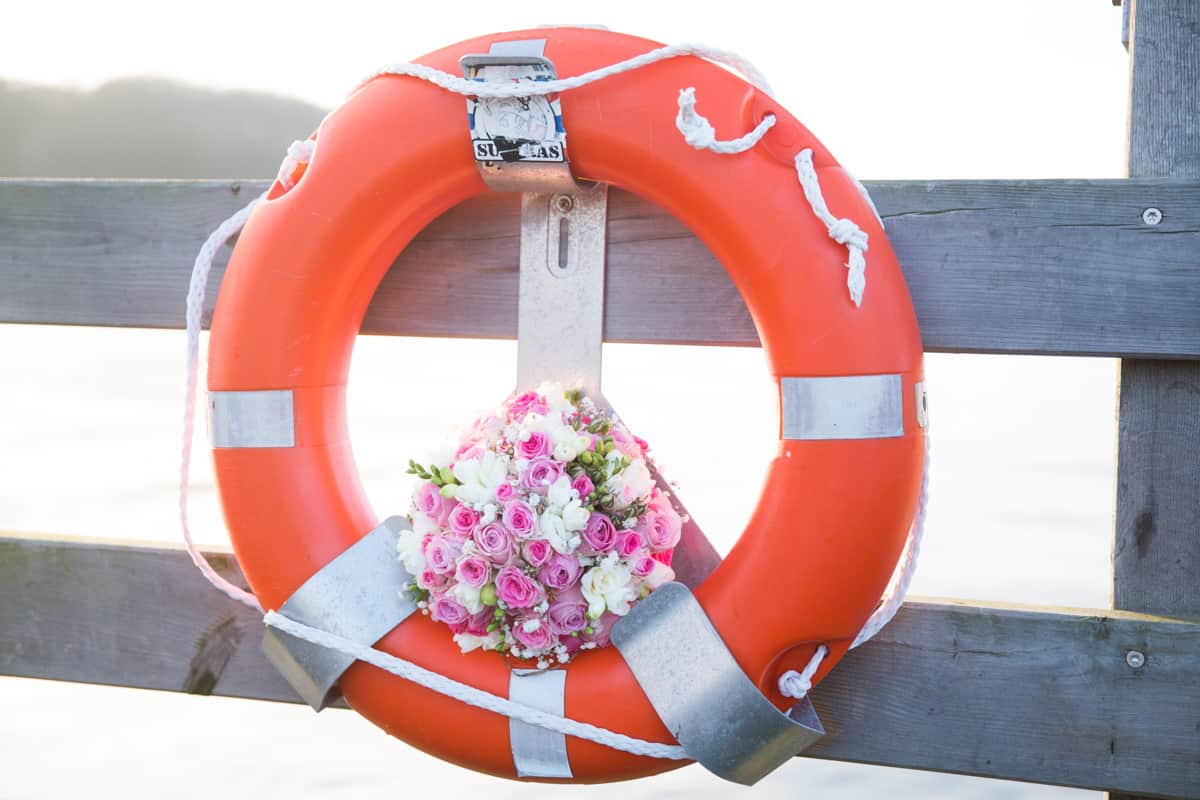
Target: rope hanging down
(698, 133)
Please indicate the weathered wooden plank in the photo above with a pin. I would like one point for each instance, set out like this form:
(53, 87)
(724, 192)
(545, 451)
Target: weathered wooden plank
(1005, 692)
(1156, 543)
(1064, 267)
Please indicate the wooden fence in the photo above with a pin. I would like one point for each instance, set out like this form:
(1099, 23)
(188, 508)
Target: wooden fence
(1045, 267)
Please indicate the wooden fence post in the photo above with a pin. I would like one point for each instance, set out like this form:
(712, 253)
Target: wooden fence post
(1156, 547)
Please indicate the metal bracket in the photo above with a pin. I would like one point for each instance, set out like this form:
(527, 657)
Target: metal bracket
(519, 143)
(701, 694)
(358, 596)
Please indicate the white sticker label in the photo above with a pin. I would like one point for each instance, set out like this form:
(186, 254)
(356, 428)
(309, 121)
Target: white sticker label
(514, 129)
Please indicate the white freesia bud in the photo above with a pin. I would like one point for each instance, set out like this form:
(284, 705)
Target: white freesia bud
(468, 642)
(489, 514)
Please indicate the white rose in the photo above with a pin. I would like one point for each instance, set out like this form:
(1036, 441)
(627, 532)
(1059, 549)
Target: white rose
(552, 528)
(408, 547)
(575, 516)
(607, 586)
(560, 492)
(568, 443)
(468, 596)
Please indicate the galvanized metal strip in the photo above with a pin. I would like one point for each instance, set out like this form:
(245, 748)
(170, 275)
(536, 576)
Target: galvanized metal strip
(701, 694)
(537, 752)
(560, 313)
(519, 143)
(843, 407)
(252, 419)
(358, 596)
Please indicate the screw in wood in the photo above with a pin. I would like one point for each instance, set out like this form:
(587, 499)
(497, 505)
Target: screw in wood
(1135, 659)
(1152, 216)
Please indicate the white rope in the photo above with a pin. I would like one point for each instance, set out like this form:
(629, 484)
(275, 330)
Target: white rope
(195, 308)
(473, 696)
(843, 231)
(897, 589)
(796, 684)
(698, 131)
(526, 88)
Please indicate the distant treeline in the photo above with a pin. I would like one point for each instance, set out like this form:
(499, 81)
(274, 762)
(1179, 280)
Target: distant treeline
(146, 128)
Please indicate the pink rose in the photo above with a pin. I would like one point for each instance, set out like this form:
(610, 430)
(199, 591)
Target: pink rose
(560, 571)
(568, 613)
(519, 406)
(538, 639)
(623, 440)
(430, 502)
(432, 581)
(583, 484)
(505, 492)
(629, 543)
(536, 552)
(600, 534)
(519, 518)
(462, 520)
(441, 555)
(477, 624)
(661, 532)
(515, 590)
(642, 565)
(469, 451)
(537, 445)
(446, 609)
(540, 473)
(473, 571)
(494, 541)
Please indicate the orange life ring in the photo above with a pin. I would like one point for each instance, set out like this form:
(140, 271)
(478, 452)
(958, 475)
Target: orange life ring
(392, 158)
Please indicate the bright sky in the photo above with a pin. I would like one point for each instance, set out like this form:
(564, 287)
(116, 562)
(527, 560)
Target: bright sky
(939, 88)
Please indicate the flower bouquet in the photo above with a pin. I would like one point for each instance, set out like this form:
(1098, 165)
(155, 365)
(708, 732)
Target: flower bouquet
(542, 529)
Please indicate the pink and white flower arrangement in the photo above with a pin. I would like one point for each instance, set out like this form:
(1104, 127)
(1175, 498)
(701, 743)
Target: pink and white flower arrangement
(541, 530)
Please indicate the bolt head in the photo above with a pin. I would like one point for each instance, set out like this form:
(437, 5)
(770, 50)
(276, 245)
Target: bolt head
(564, 203)
(1135, 659)
(1152, 216)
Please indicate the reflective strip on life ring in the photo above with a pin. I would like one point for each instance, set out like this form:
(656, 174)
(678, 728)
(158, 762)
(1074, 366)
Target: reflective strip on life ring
(837, 500)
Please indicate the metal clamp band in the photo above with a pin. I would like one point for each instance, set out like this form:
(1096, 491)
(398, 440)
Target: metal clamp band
(358, 596)
(842, 407)
(538, 752)
(520, 144)
(252, 419)
(702, 695)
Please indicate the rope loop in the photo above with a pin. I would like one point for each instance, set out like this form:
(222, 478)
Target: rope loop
(847, 233)
(699, 133)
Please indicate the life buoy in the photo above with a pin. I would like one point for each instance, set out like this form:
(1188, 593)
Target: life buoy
(836, 504)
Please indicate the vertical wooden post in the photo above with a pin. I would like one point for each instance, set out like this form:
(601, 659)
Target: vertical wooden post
(1156, 547)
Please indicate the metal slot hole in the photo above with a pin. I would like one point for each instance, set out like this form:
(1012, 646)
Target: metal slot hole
(563, 236)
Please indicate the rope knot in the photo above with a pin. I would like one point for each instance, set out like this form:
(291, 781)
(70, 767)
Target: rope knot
(846, 232)
(697, 131)
(298, 152)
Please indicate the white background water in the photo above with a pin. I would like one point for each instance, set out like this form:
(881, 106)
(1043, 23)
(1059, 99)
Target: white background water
(1023, 447)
